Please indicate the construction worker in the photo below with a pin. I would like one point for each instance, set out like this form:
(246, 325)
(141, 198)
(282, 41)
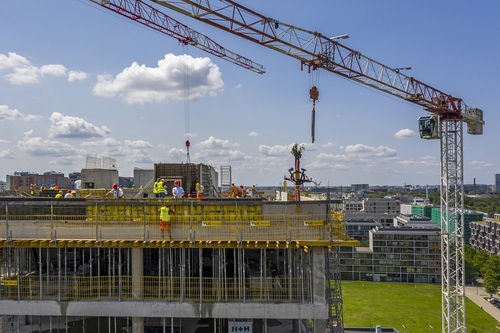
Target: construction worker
(234, 191)
(116, 191)
(165, 221)
(200, 191)
(155, 188)
(243, 191)
(160, 189)
(69, 195)
(59, 195)
(177, 191)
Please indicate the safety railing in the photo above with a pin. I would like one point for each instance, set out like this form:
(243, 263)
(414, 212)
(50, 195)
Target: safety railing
(150, 288)
(136, 220)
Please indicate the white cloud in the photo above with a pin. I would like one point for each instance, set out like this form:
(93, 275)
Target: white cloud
(23, 75)
(54, 70)
(74, 127)
(13, 114)
(139, 84)
(23, 72)
(138, 144)
(74, 76)
(405, 133)
(107, 143)
(12, 60)
(369, 151)
(7, 154)
(282, 150)
(36, 146)
(253, 133)
(213, 143)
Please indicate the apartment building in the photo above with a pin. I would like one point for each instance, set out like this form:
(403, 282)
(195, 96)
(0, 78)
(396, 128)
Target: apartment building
(485, 235)
(395, 254)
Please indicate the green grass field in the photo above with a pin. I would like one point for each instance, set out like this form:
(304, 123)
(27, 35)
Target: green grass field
(416, 306)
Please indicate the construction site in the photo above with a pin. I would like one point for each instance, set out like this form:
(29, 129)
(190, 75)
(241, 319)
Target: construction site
(93, 264)
(234, 264)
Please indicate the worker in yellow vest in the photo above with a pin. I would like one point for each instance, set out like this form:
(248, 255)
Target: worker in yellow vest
(155, 188)
(165, 221)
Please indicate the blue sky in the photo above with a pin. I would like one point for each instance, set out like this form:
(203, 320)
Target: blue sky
(77, 80)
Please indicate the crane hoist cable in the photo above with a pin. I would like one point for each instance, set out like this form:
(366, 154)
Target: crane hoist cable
(187, 130)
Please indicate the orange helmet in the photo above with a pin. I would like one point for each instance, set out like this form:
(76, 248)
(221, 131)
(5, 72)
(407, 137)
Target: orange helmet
(115, 186)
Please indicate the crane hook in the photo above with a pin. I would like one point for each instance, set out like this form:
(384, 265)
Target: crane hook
(313, 94)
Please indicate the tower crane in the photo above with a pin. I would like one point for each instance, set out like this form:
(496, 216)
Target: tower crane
(448, 114)
(151, 17)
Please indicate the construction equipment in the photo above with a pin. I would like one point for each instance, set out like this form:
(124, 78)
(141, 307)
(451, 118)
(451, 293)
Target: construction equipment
(138, 11)
(317, 51)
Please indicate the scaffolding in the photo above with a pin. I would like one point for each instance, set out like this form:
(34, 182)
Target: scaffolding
(227, 260)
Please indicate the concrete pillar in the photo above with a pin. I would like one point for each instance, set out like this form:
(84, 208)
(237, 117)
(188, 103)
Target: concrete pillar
(137, 286)
(319, 326)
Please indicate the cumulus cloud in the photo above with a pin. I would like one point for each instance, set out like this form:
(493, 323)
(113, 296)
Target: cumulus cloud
(369, 151)
(36, 146)
(12, 60)
(281, 150)
(7, 154)
(405, 133)
(107, 142)
(213, 143)
(74, 76)
(74, 127)
(54, 70)
(139, 84)
(138, 144)
(7, 113)
(23, 72)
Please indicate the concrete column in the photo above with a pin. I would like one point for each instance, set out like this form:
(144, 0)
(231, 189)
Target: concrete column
(137, 286)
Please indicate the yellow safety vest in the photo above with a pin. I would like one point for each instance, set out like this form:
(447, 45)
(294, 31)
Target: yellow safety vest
(164, 214)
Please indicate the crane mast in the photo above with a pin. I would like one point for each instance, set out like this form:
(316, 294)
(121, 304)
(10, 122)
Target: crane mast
(316, 51)
(151, 17)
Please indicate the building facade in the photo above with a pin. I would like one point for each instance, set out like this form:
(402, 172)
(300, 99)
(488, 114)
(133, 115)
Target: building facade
(107, 263)
(485, 235)
(395, 254)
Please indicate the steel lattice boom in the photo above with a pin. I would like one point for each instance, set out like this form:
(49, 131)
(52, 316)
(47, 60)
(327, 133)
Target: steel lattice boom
(143, 13)
(316, 51)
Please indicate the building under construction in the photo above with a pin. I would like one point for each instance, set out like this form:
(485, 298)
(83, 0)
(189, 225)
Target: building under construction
(85, 265)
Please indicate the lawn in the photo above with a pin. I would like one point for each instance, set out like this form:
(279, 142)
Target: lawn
(416, 306)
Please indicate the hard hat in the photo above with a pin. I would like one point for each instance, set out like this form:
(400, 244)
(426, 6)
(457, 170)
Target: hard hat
(61, 192)
(197, 184)
(69, 191)
(176, 182)
(115, 185)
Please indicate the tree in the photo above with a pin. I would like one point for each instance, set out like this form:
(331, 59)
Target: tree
(297, 151)
(480, 258)
(491, 274)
